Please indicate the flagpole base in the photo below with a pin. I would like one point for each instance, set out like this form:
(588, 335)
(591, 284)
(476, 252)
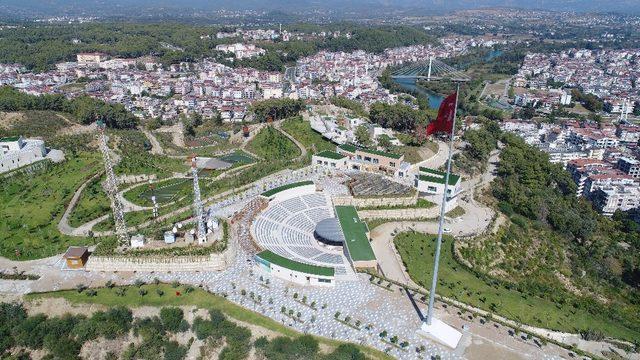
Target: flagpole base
(441, 332)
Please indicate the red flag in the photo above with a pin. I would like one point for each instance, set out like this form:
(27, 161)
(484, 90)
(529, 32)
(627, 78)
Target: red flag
(444, 121)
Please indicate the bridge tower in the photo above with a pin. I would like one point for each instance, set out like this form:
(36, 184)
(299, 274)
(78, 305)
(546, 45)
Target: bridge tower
(198, 208)
(111, 186)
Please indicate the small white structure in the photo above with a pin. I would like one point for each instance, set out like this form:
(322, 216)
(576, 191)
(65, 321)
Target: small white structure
(137, 241)
(431, 182)
(169, 237)
(441, 332)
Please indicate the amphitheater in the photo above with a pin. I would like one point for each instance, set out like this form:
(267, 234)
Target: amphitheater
(287, 225)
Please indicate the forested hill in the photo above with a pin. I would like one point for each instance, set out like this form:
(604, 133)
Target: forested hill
(39, 47)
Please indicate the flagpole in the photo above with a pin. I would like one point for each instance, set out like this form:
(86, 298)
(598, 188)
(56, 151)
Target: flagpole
(434, 281)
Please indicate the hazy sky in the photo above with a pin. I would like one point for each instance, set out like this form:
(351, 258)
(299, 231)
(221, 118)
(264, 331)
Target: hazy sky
(89, 6)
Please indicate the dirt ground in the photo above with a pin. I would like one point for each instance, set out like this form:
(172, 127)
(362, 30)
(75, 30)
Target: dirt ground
(7, 119)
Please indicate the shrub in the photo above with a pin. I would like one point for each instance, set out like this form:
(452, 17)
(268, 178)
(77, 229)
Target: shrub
(172, 318)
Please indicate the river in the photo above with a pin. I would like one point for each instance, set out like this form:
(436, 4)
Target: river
(409, 84)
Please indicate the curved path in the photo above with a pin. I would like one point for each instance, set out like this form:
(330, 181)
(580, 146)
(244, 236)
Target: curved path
(476, 220)
(156, 148)
(303, 149)
(437, 160)
(63, 224)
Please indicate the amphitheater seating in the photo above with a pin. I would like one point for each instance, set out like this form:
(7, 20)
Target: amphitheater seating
(286, 228)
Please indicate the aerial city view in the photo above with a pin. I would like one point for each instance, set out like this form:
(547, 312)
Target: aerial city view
(304, 180)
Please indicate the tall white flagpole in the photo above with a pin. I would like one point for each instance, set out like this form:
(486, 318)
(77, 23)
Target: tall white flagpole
(436, 262)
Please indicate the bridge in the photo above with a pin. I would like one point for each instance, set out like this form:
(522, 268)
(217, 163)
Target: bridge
(432, 69)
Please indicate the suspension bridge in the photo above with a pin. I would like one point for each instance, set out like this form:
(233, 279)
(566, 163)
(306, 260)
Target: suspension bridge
(431, 69)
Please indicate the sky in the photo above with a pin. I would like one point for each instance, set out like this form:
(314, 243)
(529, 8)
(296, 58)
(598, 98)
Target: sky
(52, 7)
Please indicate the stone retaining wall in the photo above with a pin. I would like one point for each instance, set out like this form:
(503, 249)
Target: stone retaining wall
(374, 202)
(213, 262)
(417, 213)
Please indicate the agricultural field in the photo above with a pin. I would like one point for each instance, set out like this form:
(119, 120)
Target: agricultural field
(459, 282)
(32, 206)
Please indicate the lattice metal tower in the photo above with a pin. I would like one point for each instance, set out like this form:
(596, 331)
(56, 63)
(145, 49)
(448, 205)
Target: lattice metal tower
(198, 208)
(111, 186)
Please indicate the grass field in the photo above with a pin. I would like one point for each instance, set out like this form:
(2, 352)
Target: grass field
(460, 283)
(31, 207)
(272, 144)
(301, 130)
(197, 297)
(92, 204)
(238, 157)
(165, 191)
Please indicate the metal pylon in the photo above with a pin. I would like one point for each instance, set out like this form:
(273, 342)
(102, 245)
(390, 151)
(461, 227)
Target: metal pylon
(198, 208)
(111, 186)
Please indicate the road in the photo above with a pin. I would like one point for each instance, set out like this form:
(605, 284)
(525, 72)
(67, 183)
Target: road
(476, 219)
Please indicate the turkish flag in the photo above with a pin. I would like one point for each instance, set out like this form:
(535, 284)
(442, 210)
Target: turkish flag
(444, 121)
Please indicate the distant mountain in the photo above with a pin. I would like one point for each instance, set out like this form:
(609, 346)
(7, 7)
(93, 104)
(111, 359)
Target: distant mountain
(119, 7)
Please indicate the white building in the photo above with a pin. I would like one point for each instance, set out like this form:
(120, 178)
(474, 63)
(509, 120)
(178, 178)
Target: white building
(629, 166)
(431, 182)
(296, 272)
(330, 159)
(17, 151)
(618, 197)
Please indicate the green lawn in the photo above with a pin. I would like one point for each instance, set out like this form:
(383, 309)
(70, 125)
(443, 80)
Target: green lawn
(164, 191)
(197, 297)
(301, 130)
(31, 207)
(272, 144)
(238, 157)
(460, 283)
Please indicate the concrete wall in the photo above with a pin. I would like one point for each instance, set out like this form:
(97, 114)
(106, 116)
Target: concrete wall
(293, 192)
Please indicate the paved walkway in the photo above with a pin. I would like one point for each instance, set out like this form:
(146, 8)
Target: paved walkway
(437, 160)
(156, 148)
(63, 224)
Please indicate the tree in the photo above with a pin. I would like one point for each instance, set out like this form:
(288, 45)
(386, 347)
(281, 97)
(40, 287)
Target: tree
(384, 141)
(362, 136)
(172, 318)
